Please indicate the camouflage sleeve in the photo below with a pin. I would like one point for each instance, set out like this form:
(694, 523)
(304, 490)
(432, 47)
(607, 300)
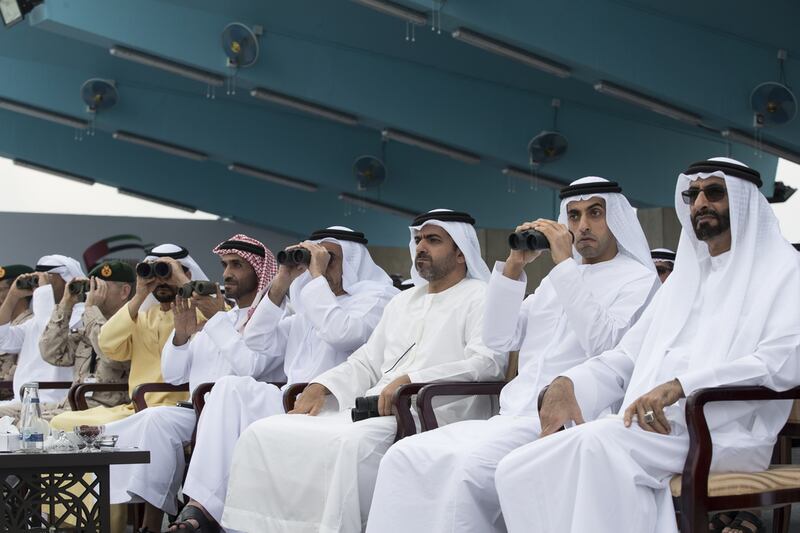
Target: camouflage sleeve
(57, 344)
(93, 321)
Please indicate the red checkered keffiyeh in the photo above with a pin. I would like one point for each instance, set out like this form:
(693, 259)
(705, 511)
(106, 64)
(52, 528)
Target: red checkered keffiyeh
(266, 267)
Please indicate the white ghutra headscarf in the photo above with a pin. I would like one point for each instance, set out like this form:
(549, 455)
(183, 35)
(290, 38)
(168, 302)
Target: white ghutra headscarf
(620, 217)
(460, 227)
(755, 283)
(360, 274)
(66, 267)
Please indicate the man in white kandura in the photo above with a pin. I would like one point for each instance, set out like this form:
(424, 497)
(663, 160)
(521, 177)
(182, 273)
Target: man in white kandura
(727, 316)
(194, 353)
(443, 480)
(313, 316)
(299, 473)
(53, 273)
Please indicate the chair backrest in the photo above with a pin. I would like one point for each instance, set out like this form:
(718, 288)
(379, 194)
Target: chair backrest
(513, 365)
(794, 415)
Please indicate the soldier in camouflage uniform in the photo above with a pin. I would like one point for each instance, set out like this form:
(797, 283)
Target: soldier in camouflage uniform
(8, 361)
(112, 284)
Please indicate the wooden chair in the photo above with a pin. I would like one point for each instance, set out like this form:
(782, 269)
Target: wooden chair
(79, 391)
(696, 493)
(401, 402)
(486, 388)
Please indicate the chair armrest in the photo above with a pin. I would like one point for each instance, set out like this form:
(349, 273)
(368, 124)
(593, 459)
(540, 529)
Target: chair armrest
(7, 385)
(429, 392)
(199, 397)
(77, 394)
(698, 459)
(49, 385)
(138, 396)
(401, 401)
(290, 395)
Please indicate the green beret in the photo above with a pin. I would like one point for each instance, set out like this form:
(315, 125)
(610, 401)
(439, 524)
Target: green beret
(12, 271)
(114, 270)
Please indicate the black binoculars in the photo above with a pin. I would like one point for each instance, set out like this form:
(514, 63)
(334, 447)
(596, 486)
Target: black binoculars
(26, 284)
(528, 240)
(79, 287)
(366, 407)
(202, 288)
(294, 257)
(159, 269)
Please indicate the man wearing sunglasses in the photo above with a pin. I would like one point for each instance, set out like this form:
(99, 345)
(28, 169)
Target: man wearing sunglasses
(728, 316)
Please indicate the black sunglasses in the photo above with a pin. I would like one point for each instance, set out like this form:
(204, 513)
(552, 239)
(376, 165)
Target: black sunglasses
(713, 193)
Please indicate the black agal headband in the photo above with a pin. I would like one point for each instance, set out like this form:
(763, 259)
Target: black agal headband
(663, 256)
(596, 187)
(180, 254)
(730, 169)
(444, 216)
(242, 246)
(339, 235)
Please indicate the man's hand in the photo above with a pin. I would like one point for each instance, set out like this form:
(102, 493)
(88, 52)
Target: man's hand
(285, 276)
(98, 292)
(15, 293)
(320, 257)
(311, 400)
(559, 406)
(652, 405)
(559, 237)
(185, 321)
(517, 259)
(68, 300)
(177, 277)
(144, 286)
(387, 394)
(209, 305)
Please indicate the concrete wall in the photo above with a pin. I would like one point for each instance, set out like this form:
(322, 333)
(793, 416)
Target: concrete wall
(24, 237)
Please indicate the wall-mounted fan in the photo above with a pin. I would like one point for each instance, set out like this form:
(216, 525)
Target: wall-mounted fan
(99, 94)
(240, 44)
(547, 147)
(773, 103)
(369, 171)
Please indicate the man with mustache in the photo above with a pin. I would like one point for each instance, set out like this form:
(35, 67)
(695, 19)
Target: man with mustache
(314, 469)
(311, 319)
(195, 353)
(443, 480)
(727, 316)
(138, 332)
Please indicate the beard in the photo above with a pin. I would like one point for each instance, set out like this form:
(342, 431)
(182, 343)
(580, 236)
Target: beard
(705, 231)
(165, 293)
(431, 270)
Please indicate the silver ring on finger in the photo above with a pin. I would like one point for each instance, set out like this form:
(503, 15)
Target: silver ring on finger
(649, 417)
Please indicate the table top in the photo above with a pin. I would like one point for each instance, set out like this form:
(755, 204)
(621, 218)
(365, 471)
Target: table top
(12, 460)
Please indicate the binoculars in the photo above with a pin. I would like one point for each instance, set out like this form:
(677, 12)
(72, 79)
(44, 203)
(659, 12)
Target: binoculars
(79, 287)
(159, 269)
(528, 240)
(366, 407)
(294, 257)
(202, 288)
(27, 284)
